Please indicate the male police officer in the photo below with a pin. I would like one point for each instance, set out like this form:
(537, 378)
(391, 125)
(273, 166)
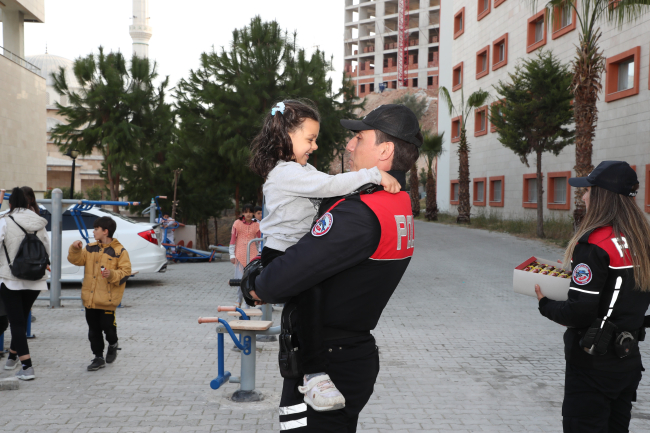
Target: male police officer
(357, 251)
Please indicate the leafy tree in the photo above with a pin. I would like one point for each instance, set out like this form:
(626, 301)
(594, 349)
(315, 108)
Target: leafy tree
(119, 111)
(417, 105)
(431, 150)
(95, 192)
(588, 66)
(535, 114)
(463, 109)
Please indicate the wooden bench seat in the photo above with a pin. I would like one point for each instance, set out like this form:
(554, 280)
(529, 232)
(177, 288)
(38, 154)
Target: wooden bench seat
(250, 325)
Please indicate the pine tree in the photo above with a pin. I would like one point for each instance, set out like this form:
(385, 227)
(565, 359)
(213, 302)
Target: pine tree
(535, 114)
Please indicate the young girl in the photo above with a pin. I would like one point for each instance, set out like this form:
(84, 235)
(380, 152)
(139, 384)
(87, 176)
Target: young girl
(292, 191)
(243, 230)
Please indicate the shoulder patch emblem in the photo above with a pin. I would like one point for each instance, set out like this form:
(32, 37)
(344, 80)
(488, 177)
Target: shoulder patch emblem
(323, 225)
(582, 274)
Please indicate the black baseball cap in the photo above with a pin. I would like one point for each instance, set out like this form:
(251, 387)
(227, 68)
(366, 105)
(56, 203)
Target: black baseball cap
(393, 119)
(615, 176)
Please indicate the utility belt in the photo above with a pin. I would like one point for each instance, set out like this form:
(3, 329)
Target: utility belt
(603, 334)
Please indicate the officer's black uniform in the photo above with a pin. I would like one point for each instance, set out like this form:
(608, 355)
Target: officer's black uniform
(358, 261)
(599, 389)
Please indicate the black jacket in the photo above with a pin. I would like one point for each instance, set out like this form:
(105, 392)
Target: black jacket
(358, 254)
(599, 265)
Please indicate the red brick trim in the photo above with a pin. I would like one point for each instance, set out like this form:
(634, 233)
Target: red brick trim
(457, 85)
(524, 196)
(496, 64)
(611, 80)
(498, 3)
(647, 188)
(459, 22)
(550, 191)
(483, 14)
(557, 31)
(477, 121)
(492, 127)
(475, 182)
(459, 121)
(491, 188)
(451, 192)
(530, 36)
(483, 52)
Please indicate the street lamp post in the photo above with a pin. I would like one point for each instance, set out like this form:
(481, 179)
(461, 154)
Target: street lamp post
(72, 154)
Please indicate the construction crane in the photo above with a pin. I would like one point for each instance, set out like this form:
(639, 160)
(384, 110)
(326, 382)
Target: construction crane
(403, 36)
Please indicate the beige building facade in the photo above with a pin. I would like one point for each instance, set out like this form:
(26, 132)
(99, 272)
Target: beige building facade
(22, 101)
(488, 38)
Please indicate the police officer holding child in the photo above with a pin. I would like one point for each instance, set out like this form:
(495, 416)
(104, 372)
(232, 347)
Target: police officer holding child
(358, 260)
(608, 298)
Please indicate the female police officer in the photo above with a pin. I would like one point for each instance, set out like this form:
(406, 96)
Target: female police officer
(608, 298)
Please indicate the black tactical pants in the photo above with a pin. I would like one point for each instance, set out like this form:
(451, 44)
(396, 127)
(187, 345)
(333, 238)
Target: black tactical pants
(353, 365)
(598, 401)
(100, 321)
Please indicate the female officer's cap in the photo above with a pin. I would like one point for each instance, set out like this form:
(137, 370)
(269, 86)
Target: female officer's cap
(615, 176)
(393, 119)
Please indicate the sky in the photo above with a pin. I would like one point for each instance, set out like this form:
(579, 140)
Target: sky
(181, 30)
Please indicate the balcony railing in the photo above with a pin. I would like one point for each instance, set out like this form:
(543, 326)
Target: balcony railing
(19, 60)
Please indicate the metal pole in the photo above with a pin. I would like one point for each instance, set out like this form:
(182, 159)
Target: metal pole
(152, 212)
(55, 251)
(72, 181)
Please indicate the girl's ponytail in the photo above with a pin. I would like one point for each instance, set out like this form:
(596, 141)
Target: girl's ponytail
(273, 143)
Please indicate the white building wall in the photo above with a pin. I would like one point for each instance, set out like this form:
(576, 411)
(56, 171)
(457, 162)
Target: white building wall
(623, 130)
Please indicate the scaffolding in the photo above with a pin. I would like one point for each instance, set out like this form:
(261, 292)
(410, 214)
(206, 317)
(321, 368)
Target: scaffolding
(403, 52)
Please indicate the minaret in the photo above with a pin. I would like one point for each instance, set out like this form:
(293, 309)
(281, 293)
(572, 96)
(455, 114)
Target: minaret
(140, 31)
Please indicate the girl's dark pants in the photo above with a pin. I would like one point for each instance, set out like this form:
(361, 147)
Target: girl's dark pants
(310, 324)
(598, 401)
(18, 304)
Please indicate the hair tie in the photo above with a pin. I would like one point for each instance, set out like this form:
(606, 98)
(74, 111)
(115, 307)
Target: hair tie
(278, 107)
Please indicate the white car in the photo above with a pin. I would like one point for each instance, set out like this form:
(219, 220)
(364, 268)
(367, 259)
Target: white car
(139, 239)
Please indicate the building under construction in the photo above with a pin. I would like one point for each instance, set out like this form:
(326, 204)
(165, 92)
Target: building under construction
(391, 44)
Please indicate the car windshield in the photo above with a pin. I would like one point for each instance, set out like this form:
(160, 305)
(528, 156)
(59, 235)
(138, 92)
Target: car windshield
(115, 214)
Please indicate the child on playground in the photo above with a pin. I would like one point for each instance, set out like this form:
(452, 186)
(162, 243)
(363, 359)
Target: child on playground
(106, 268)
(293, 190)
(243, 230)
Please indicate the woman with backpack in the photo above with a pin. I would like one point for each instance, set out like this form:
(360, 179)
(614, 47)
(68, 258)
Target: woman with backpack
(21, 280)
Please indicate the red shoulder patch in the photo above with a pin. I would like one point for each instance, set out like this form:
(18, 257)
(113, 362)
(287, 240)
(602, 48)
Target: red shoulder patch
(618, 253)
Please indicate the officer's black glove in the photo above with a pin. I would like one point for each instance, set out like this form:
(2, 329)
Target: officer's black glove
(251, 271)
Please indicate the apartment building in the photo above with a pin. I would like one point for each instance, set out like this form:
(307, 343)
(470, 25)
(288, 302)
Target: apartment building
(489, 38)
(372, 44)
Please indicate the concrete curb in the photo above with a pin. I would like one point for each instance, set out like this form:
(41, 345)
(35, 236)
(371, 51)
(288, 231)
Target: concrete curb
(9, 384)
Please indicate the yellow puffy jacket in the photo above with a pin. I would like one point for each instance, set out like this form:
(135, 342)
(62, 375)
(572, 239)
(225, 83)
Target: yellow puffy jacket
(98, 292)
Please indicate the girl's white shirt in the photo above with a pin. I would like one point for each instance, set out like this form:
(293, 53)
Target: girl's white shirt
(16, 284)
(292, 193)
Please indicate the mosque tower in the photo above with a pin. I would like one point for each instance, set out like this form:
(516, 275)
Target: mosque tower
(140, 31)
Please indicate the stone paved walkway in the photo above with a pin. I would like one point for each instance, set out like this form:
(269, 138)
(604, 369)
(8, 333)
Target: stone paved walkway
(460, 352)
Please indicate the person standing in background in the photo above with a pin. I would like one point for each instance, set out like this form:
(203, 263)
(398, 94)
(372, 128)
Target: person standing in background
(243, 230)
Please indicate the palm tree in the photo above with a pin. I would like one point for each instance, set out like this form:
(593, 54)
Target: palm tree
(588, 66)
(464, 109)
(431, 149)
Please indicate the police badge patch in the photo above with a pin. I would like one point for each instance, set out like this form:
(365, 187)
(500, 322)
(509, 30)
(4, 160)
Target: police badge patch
(323, 225)
(582, 274)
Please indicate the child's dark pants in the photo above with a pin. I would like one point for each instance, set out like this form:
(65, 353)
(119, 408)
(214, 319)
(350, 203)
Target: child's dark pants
(100, 321)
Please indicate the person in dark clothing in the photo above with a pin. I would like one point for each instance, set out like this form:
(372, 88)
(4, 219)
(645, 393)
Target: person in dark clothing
(357, 252)
(608, 298)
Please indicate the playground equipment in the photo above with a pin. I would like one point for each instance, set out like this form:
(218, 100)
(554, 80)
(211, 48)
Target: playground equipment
(177, 252)
(248, 331)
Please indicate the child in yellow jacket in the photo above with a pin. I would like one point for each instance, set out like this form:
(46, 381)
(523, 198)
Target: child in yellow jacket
(106, 269)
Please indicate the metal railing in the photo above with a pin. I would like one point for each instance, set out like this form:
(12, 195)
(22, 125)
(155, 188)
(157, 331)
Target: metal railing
(19, 60)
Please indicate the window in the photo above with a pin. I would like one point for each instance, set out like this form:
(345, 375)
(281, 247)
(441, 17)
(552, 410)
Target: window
(565, 21)
(479, 191)
(496, 110)
(647, 188)
(498, 3)
(429, 81)
(455, 129)
(459, 23)
(500, 52)
(480, 121)
(559, 191)
(454, 192)
(482, 62)
(372, 87)
(622, 75)
(415, 82)
(363, 89)
(536, 31)
(496, 191)
(483, 9)
(393, 84)
(530, 191)
(457, 77)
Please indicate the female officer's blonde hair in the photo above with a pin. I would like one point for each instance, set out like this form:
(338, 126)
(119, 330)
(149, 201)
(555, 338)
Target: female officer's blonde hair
(607, 208)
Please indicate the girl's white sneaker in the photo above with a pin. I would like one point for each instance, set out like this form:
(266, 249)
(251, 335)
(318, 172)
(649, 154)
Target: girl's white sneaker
(11, 364)
(321, 394)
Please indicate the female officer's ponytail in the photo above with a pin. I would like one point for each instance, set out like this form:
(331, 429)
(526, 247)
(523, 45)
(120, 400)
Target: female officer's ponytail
(273, 143)
(607, 208)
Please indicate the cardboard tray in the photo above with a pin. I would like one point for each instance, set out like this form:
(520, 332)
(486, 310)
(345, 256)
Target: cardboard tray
(554, 288)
